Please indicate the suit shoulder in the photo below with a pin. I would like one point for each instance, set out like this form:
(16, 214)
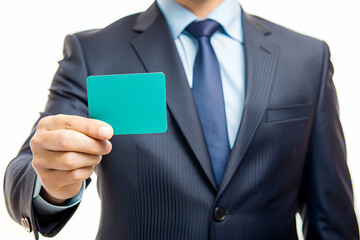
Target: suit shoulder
(280, 30)
(295, 46)
(99, 43)
(122, 27)
(289, 37)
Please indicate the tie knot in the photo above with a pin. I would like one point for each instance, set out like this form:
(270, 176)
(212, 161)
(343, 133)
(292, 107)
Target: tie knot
(204, 28)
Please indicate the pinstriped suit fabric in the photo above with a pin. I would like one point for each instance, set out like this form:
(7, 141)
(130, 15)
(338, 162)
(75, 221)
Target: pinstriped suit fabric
(180, 101)
(289, 155)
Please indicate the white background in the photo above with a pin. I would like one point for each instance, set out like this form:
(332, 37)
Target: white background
(31, 42)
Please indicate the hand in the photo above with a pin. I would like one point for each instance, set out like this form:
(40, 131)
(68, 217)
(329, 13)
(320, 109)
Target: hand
(66, 150)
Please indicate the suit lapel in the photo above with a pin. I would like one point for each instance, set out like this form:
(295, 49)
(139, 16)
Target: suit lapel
(157, 51)
(261, 61)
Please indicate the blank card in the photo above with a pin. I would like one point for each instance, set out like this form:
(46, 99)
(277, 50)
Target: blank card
(130, 103)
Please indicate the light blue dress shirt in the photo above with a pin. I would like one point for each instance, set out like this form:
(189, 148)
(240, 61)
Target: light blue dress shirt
(228, 46)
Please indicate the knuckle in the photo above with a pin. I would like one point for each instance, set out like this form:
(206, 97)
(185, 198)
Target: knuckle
(35, 163)
(34, 142)
(87, 128)
(43, 122)
(69, 123)
(69, 160)
(77, 175)
(63, 140)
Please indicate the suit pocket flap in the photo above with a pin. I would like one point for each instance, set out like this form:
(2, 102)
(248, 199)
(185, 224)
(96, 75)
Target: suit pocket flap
(294, 112)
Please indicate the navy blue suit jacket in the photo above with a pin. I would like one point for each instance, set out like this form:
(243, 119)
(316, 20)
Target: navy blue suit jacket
(289, 155)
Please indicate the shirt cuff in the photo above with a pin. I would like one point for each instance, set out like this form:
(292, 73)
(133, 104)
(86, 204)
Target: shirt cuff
(46, 209)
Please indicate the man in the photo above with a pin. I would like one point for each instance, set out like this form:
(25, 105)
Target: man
(277, 128)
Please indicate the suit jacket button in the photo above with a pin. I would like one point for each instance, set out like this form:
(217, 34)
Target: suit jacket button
(219, 214)
(26, 224)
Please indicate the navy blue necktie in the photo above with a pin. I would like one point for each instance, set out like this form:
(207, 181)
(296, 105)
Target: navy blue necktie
(208, 95)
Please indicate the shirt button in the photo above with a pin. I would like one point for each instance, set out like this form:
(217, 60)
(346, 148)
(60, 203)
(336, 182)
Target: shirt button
(219, 214)
(26, 224)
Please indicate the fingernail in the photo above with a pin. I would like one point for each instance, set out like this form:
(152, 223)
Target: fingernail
(108, 147)
(105, 132)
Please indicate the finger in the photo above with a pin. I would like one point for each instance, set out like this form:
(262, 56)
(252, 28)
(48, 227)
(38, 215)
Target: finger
(72, 141)
(64, 160)
(90, 127)
(54, 180)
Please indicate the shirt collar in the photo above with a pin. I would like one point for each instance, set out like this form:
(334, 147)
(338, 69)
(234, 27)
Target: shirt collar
(178, 17)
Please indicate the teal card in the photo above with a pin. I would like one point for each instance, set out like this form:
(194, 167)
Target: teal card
(130, 103)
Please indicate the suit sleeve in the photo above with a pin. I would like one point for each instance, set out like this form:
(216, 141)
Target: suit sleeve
(67, 96)
(326, 203)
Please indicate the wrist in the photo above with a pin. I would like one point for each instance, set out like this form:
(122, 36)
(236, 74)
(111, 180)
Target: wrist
(51, 199)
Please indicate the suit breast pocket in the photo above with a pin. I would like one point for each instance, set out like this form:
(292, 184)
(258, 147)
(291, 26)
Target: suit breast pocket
(291, 113)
